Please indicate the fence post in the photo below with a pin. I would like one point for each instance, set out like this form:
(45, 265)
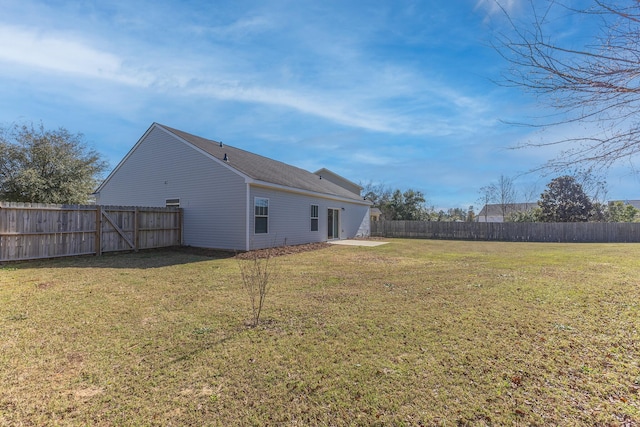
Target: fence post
(180, 225)
(98, 238)
(136, 234)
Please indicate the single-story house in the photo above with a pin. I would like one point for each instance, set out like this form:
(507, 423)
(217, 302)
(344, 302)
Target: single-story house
(497, 212)
(233, 199)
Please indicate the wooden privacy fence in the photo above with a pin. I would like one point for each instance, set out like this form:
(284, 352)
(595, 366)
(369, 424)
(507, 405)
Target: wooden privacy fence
(579, 232)
(33, 231)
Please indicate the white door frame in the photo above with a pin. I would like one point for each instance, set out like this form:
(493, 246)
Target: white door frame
(333, 223)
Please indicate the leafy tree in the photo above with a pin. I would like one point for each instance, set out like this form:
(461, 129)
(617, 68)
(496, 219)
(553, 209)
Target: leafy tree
(471, 215)
(393, 208)
(439, 216)
(599, 212)
(46, 166)
(564, 200)
(532, 215)
(397, 204)
(409, 205)
(378, 194)
(620, 212)
(456, 214)
(590, 81)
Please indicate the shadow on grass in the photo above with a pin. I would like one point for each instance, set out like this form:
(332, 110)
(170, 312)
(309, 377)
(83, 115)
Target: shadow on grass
(155, 258)
(145, 259)
(186, 353)
(205, 346)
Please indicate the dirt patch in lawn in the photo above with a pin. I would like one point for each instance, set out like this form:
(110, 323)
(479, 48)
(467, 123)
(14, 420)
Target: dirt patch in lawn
(283, 250)
(260, 253)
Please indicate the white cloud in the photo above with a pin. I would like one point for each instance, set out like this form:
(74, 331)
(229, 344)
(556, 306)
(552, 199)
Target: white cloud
(351, 109)
(61, 53)
(372, 158)
(493, 7)
(239, 29)
(339, 83)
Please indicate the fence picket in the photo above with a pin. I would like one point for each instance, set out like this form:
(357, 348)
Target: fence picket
(578, 232)
(33, 231)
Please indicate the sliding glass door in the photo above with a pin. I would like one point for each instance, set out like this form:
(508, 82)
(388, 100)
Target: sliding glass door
(333, 224)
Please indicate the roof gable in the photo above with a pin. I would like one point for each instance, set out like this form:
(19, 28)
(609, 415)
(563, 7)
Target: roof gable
(264, 169)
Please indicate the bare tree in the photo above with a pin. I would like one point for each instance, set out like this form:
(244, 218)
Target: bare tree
(530, 193)
(502, 193)
(505, 195)
(595, 83)
(378, 194)
(487, 195)
(256, 270)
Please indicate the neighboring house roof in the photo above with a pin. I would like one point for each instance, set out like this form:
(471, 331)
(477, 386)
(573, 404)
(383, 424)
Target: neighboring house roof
(634, 203)
(260, 168)
(496, 209)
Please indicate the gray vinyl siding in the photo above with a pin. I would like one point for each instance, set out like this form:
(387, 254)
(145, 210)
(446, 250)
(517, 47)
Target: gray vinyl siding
(357, 221)
(162, 167)
(290, 218)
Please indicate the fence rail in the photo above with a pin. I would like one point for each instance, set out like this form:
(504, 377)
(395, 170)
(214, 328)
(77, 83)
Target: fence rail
(578, 232)
(33, 230)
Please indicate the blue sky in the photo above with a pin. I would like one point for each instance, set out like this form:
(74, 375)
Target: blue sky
(394, 92)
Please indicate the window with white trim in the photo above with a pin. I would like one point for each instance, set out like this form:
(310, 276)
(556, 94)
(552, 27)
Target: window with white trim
(261, 215)
(314, 217)
(172, 203)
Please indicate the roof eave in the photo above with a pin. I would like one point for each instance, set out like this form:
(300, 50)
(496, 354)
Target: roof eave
(280, 187)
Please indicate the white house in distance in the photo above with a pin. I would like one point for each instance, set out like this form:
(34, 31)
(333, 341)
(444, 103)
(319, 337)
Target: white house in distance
(634, 203)
(233, 199)
(497, 212)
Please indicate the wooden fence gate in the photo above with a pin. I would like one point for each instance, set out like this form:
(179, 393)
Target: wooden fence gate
(33, 231)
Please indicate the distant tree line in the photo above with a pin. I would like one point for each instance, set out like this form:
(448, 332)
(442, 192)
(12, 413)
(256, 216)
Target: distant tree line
(410, 205)
(563, 200)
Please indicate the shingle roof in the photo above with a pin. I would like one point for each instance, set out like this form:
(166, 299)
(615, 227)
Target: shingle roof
(634, 203)
(261, 168)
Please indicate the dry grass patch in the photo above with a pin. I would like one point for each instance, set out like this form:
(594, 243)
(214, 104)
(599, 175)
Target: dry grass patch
(415, 332)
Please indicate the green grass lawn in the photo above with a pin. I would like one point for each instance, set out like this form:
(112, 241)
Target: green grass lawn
(415, 332)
